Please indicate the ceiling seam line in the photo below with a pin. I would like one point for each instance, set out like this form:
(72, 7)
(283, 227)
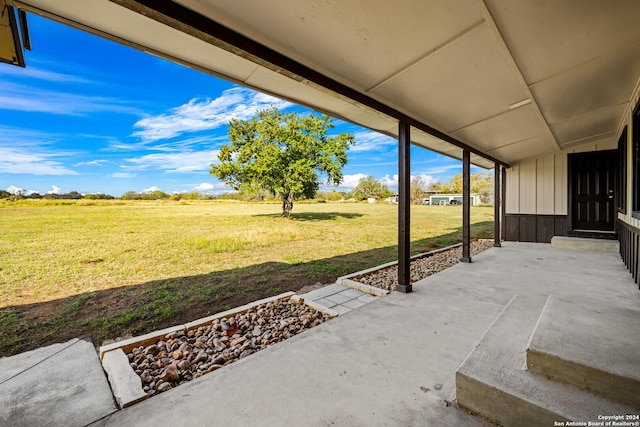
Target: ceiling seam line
(502, 113)
(514, 143)
(181, 15)
(438, 48)
(597, 58)
(585, 140)
(588, 112)
(512, 61)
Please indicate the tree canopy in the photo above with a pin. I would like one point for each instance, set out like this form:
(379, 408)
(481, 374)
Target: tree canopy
(286, 154)
(418, 188)
(370, 187)
(481, 183)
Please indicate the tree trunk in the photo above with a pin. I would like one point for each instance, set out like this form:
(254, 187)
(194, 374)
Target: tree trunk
(287, 205)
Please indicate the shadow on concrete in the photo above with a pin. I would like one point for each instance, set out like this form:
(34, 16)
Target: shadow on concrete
(144, 307)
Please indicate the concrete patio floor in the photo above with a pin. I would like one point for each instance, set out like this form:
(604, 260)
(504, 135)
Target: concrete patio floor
(391, 362)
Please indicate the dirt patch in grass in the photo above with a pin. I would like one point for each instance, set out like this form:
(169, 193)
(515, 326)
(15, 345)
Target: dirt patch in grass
(139, 309)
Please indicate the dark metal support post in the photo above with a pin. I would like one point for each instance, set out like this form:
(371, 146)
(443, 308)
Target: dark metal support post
(503, 201)
(496, 207)
(404, 225)
(466, 206)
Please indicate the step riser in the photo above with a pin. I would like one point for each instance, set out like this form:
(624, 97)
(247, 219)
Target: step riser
(499, 406)
(588, 344)
(585, 244)
(613, 387)
(494, 383)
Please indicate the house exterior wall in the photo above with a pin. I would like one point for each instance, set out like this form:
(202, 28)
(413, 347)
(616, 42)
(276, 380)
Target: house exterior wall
(632, 133)
(537, 194)
(539, 186)
(629, 222)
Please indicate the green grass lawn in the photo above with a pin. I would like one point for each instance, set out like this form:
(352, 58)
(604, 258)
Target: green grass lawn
(108, 269)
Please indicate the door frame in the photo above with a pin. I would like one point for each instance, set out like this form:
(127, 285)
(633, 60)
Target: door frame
(597, 234)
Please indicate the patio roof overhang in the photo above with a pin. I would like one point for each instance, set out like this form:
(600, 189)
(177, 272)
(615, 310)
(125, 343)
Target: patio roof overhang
(505, 80)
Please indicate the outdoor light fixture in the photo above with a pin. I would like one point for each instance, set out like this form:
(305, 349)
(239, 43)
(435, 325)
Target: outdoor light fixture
(520, 104)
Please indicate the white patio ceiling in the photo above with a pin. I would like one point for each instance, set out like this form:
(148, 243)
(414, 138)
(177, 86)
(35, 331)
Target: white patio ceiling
(454, 65)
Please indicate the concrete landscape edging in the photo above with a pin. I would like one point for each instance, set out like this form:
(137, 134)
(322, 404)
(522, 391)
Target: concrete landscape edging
(126, 385)
(348, 281)
(367, 289)
(315, 305)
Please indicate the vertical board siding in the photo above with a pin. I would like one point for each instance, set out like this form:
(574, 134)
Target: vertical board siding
(545, 228)
(528, 228)
(512, 200)
(528, 181)
(512, 228)
(560, 182)
(560, 225)
(545, 186)
(539, 186)
(534, 228)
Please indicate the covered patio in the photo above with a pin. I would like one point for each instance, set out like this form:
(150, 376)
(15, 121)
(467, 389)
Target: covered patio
(398, 361)
(522, 87)
(519, 87)
(394, 360)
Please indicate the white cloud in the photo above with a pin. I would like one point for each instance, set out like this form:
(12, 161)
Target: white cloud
(54, 190)
(17, 97)
(92, 163)
(443, 168)
(368, 141)
(15, 190)
(390, 181)
(189, 161)
(150, 189)
(199, 115)
(40, 74)
(31, 160)
(123, 175)
(207, 187)
(351, 181)
(426, 179)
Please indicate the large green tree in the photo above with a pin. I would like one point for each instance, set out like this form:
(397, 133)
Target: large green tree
(370, 187)
(286, 154)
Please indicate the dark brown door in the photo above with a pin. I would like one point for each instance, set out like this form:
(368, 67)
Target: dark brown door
(592, 190)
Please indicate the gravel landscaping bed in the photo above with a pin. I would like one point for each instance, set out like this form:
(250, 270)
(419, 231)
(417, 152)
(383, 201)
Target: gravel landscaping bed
(183, 356)
(421, 267)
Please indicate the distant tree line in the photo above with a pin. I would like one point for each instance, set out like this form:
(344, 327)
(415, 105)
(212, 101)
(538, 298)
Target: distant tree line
(72, 195)
(367, 187)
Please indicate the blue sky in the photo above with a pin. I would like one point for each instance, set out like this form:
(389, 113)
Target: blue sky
(93, 116)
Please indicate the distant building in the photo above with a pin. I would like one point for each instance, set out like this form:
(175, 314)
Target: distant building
(452, 199)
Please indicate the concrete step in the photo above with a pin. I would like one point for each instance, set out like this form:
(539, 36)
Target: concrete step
(493, 381)
(585, 244)
(590, 345)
